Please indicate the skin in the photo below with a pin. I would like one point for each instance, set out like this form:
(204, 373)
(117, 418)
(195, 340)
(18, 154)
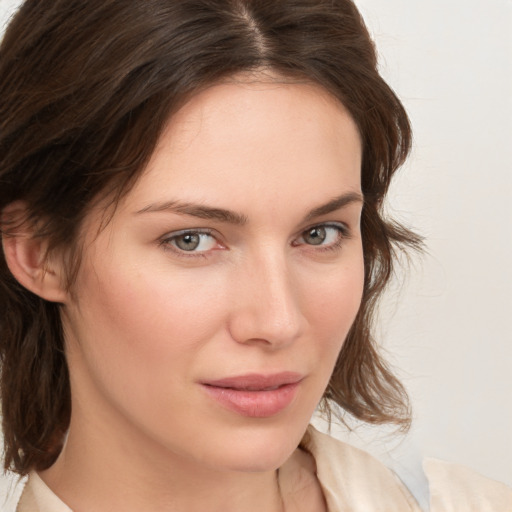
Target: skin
(148, 322)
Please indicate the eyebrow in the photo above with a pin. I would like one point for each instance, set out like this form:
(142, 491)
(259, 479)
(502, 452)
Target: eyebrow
(197, 210)
(335, 204)
(231, 217)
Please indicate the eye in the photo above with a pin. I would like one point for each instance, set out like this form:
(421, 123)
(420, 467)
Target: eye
(191, 241)
(328, 236)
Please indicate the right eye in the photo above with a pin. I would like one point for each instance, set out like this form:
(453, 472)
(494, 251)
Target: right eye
(194, 242)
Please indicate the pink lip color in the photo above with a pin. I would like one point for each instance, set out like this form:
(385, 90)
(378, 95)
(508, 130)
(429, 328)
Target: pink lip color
(256, 396)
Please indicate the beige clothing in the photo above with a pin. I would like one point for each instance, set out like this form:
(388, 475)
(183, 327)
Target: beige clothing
(352, 481)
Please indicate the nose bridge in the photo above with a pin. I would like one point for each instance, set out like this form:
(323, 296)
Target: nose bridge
(267, 306)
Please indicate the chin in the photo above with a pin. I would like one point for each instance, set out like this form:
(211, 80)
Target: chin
(261, 448)
(261, 462)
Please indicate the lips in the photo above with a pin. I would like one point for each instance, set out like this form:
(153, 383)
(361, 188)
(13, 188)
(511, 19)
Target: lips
(255, 395)
(257, 382)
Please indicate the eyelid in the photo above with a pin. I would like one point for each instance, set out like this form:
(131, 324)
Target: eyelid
(342, 226)
(343, 229)
(165, 242)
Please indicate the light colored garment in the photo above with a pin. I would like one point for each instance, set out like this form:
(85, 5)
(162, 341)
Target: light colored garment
(354, 481)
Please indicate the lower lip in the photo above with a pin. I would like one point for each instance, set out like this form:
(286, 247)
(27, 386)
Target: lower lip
(255, 404)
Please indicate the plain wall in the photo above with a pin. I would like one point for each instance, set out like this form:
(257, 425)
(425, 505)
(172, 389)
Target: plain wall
(447, 327)
(451, 63)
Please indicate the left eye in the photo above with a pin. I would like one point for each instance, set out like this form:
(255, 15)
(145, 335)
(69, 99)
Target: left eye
(322, 235)
(192, 241)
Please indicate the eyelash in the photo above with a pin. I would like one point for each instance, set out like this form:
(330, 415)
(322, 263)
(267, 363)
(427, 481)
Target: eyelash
(167, 241)
(342, 235)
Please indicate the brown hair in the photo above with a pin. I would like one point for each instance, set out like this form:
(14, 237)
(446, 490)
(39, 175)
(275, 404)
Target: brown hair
(85, 91)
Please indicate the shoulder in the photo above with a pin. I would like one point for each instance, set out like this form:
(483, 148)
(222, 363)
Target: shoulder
(37, 497)
(454, 487)
(354, 480)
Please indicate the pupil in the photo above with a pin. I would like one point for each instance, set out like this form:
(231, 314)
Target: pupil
(188, 242)
(315, 236)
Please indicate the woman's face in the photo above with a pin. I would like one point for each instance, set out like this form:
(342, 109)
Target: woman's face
(209, 313)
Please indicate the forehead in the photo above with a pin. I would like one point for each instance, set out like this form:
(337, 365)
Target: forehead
(254, 142)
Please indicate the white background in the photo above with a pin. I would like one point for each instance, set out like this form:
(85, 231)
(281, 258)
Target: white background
(448, 328)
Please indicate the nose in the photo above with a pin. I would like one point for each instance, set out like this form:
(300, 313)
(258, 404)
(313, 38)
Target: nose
(267, 305)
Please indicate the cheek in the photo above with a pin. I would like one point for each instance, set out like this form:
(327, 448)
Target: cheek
(133, 322)
(149, 307)
(333, 309)
(137, 339)
(337, 300)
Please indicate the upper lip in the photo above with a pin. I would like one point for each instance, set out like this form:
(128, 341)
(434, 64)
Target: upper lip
(256, 381)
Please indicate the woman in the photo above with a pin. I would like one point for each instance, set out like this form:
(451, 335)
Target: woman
(193, 244)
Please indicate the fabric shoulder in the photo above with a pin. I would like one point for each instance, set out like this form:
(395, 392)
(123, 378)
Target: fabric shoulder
(37, 497)
(454, 487)
(27, 501)
(352, 479)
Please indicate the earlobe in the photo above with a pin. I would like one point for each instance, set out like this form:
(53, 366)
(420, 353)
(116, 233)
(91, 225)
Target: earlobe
(26, 256)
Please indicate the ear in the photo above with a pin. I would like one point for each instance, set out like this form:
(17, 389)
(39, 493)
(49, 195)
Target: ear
(26, 255)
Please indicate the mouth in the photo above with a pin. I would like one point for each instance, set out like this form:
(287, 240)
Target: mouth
(256, 382)
(255, 395)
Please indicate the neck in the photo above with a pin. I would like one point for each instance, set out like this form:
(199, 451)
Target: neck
(105, 468)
